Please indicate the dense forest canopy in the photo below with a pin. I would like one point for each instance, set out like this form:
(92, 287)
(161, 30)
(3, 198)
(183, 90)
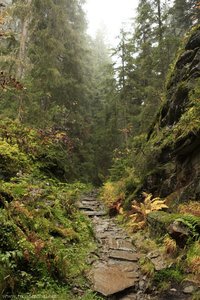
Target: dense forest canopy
(66, 81)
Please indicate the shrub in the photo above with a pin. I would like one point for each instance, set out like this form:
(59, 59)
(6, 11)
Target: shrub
(192, 208)
(193, 258)
(173, 274)
(112, 191)
(12, 160)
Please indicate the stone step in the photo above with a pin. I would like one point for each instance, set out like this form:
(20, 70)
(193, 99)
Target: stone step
(82, 207)
(93, 203)
(124, 255)
(111, 279)
(96, 209)
(88, 199)
(94, 213)
(119, 244)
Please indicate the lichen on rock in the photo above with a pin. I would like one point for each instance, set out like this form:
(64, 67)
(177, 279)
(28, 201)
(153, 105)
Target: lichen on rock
(175, 135)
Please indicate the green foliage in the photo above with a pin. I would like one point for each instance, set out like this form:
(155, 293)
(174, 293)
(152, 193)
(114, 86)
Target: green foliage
(44, 239)
(12, 160)
(22, 146)
(112, 191)
(43, 236)
(59, 293)
(79, 108)
(120, 163)
(125, 164)
(193, 224)
(173, 274)
(193, 258)
(147, 267)
(90, 296)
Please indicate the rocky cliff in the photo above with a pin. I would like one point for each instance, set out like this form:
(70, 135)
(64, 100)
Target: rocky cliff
(174, 139)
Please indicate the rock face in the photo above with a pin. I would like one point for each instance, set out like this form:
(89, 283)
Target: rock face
(175, 135)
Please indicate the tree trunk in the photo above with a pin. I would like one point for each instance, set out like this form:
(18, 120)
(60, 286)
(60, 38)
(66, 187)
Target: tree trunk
(160, 37)
(22, 46)
(123, 88)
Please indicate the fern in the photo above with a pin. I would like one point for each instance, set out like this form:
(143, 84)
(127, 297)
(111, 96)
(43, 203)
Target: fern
(140, 211)
(192, 223)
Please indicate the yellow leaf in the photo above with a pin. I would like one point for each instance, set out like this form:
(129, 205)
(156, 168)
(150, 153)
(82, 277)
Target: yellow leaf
(156, 199)
(136, 209)
(147, 201)
(158, 205)
(143, 208)
(121, 211)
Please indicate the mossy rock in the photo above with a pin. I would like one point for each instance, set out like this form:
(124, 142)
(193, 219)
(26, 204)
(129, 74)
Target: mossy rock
(182, 228)
(65, 233)
(159, 221)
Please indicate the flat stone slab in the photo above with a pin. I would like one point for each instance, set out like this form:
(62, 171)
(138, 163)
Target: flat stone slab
(92, 202)
(88, 199)
(86, 208)
(125, 245)
(119, 244)
(109, 280)
(94, 213)
(131, 266)
(124, 255)
(112, 243)
(88, 205)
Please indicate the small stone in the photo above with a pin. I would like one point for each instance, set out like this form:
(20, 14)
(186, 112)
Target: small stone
(159, 263)
(77, 291)
(144, 277)
(178, 228)
(141, 285)
(173, 290)
(189, 289)
(153, 254)
(90, 260)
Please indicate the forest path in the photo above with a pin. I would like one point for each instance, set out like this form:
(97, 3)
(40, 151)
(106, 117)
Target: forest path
(115, 269)
(115, 273)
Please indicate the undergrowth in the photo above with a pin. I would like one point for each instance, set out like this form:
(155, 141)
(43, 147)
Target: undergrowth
(44, 239)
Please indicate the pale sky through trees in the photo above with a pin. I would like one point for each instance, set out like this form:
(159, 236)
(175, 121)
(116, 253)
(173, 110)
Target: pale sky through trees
(110, 13)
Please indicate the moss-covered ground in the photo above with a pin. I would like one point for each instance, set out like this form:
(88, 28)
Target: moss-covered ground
(44, 239)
